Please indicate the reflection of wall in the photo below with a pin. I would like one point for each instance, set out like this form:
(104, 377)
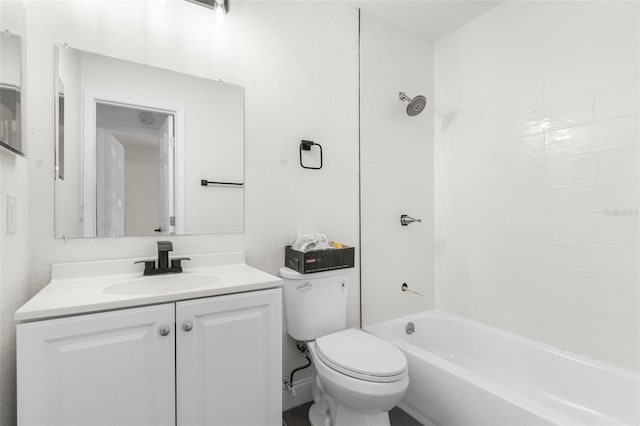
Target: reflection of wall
(538, 140)
(10, 54)
(301, 81)
(397, 171)
(141, 183)
(69, 190)
(15, 266)
(10, 110)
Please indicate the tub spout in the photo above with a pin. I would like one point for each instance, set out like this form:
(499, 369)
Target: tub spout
(405, 287)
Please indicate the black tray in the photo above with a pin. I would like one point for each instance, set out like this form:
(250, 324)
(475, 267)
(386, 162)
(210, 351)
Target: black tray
(319, 260)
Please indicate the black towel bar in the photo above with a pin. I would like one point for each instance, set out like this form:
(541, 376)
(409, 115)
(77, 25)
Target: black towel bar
(205, 182)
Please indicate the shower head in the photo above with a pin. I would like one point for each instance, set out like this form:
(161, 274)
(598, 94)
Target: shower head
(416, 105)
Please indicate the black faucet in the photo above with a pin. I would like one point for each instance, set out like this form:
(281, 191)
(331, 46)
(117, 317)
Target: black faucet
(164, 247)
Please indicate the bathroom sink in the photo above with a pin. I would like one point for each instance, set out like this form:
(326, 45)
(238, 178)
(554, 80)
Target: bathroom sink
(159, 284)
(84, 287)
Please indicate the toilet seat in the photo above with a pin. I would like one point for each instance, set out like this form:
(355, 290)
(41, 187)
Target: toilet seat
(361, 355)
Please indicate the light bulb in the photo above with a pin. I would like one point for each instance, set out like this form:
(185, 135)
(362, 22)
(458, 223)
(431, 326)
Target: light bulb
(220, 12)
(220, 15)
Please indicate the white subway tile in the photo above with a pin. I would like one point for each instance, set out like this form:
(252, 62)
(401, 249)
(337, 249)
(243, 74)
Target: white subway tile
(619, 164)
(613, 323)
(610, 134)
(567, 83)
(528, 174)
(525, 225)
(616, 133)
(551, 252)
(615, 70)
(572, 199)
(597, 198)
(526, 251)
(570, 170)
(557, 115)
(578, 316)
(396, 152)
(609, 291)
(556, 335)
(617, 101)
(623, 196)
(619, 353)
(570, 141)
(621, 261)
(586, 76)
(571, 227)
(517, 93)
(386, 181)
(488, 314)
(618, 229)
(617, 29)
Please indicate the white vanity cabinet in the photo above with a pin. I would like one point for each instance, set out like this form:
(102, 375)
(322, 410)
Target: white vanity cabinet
(228, 363)
(207, 361)
(111, 368)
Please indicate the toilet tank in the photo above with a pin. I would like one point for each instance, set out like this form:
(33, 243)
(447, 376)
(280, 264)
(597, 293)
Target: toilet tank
(315, 304)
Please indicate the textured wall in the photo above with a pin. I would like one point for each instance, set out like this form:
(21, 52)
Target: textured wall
(301, 81)
(397, 171)
(14, 248)
(537, 174)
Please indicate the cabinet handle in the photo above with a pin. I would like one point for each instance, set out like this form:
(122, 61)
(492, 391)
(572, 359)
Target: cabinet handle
(187, 326)
(164, 331)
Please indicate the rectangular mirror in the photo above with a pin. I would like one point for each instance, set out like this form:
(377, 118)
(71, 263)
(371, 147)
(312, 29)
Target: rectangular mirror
(10, 87)
(143, 151)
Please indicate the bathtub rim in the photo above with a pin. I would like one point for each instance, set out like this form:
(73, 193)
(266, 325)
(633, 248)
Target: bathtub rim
(385, 330)
(573, 356)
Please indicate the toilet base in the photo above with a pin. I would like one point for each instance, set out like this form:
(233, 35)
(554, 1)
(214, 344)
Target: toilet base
(317, 417)
(344, 416)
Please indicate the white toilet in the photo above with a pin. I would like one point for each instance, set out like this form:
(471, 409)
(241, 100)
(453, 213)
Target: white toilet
(360, 377)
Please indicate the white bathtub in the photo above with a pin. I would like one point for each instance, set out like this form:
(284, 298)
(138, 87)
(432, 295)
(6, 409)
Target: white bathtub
(465, 373)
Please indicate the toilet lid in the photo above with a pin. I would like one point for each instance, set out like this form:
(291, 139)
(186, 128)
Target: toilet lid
(362, 355)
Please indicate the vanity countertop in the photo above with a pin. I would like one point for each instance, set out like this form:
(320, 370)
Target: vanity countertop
(79, 288)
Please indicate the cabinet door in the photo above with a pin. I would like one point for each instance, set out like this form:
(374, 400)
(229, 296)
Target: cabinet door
(228, 365)
(112, 368)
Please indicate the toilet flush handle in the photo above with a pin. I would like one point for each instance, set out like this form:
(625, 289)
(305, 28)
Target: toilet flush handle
(305, 286)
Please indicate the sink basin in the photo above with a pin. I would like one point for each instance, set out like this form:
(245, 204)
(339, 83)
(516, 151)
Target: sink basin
(158, 284)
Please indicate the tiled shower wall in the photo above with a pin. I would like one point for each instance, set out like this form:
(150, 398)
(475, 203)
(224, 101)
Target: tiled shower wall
(537, 190)
(396, 171)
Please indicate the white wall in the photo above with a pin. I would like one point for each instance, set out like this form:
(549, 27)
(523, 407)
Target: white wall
(14, 254)
(537, 149)
(300, 80)
(397, 171)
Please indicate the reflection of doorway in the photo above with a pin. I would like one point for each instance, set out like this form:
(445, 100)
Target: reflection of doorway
(131, 176)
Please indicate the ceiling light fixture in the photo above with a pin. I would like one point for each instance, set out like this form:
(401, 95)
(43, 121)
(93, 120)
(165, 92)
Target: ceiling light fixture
(220, 7)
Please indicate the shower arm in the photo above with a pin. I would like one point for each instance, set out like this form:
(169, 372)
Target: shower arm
(403, 97)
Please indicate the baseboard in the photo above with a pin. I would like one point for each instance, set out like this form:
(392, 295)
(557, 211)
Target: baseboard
(303, 394)
(413, 413)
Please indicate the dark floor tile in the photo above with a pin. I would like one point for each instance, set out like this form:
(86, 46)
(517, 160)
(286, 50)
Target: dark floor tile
(399, 417)
(299, 416)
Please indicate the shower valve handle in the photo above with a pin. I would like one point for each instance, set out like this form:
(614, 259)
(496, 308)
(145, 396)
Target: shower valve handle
(406, 219)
